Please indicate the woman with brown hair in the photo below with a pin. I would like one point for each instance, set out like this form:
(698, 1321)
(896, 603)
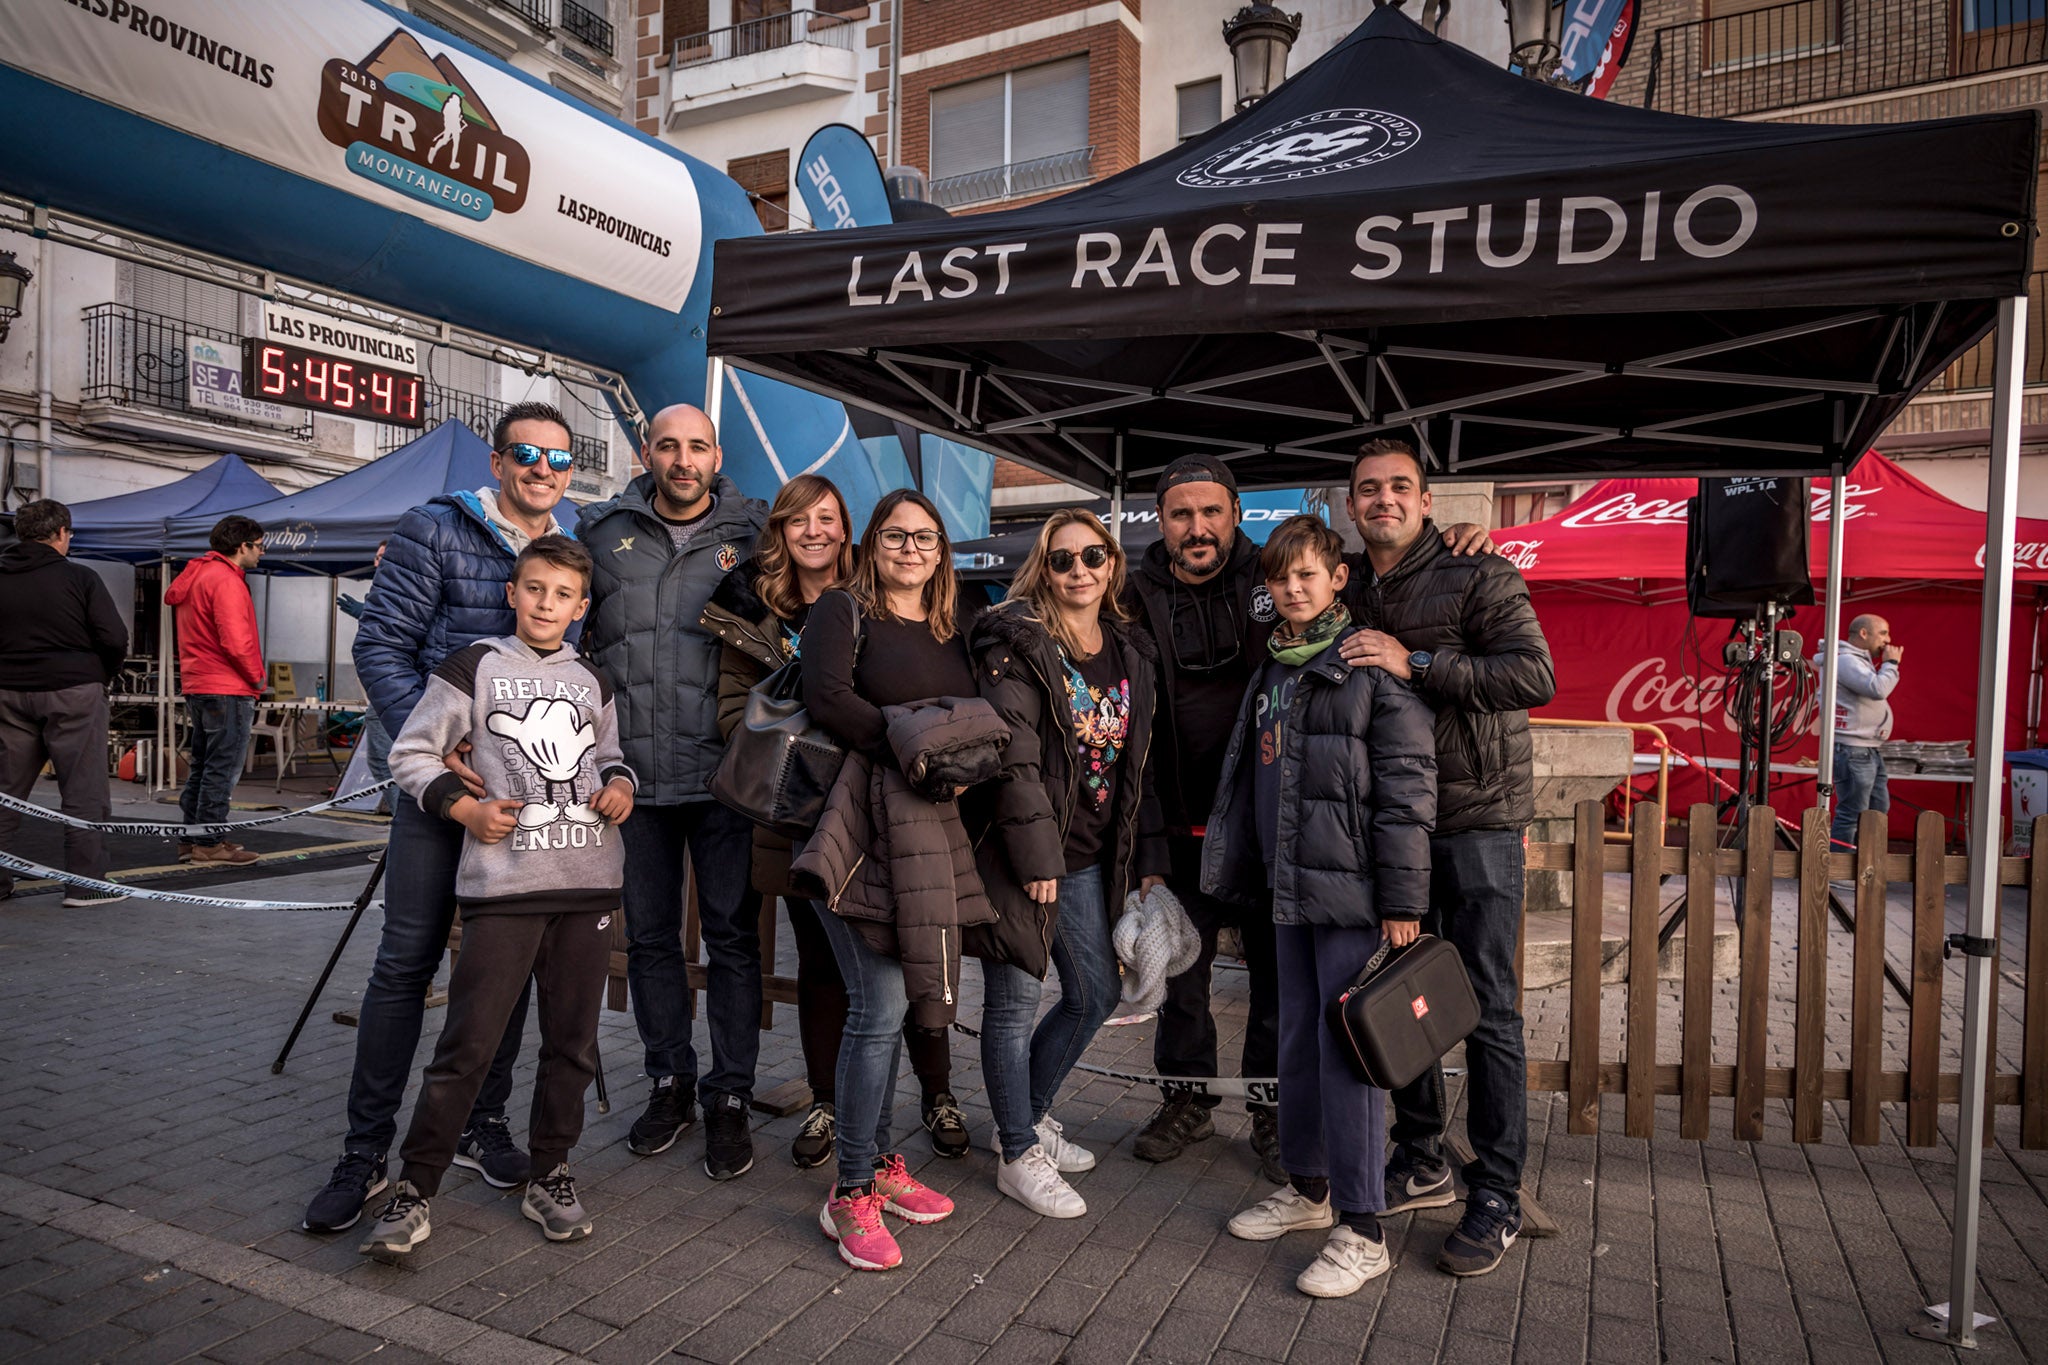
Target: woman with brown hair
(758, 612)
(1062, 663)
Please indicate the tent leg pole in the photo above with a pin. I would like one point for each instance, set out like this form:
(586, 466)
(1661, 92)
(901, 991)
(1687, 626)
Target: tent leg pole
(714, 391)
(1831, 638)
(1116, 495)
(1981, 916)
(164, 769)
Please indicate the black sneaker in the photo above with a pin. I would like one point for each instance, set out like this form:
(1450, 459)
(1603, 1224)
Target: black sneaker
(357, 1179)
(814, 1141)
(728, 1147)
(1482, 1236)
(1266, 1144)
(947, 1125)
(486, 1147)
(1178, 1123)
(670, 1112)
(1417, 1180)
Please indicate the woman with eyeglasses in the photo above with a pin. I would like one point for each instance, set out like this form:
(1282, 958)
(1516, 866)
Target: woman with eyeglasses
(1079, 829)
(758, 613)
(888, 639)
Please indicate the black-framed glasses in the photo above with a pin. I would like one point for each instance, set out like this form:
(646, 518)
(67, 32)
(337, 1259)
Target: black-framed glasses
(1062, 561)
(894, 538)
(527, 455)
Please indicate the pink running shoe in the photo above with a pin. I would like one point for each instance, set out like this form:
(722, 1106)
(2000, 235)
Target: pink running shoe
(907, 1197)
(855, 1222)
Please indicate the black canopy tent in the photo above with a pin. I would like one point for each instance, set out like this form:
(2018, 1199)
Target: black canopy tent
(1405, 239)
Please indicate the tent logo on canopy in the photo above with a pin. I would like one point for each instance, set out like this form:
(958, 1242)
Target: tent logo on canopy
(293, 535)
(1314, 144)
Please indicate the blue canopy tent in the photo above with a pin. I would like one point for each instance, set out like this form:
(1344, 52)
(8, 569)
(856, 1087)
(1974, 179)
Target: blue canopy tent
(334, 528)
(134, 527)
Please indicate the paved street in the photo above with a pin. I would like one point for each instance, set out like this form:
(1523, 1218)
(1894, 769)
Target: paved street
(152, 1174)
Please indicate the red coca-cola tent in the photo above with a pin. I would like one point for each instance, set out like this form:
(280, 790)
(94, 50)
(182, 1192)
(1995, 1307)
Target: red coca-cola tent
(1608, 578)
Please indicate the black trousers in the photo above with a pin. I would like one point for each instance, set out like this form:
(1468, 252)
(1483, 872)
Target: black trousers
(1186, 1042)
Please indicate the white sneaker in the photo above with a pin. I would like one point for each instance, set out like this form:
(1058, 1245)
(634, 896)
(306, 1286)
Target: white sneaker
(1345, 1263)
(1033, 1181)
(1067, 1156)
(1283, 1211)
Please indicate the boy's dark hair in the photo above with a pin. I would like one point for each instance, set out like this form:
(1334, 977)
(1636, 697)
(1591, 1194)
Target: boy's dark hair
(525, 412)
(44, 519)
(1391, 447)
(231, 533)
(559, 551)
(1296, 537)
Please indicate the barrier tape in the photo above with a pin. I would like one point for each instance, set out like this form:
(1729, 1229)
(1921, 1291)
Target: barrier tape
(181, 831)
(1253, 1090)
(27, 868)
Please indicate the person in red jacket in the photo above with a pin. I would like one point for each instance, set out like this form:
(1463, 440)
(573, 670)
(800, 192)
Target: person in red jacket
(220, 671)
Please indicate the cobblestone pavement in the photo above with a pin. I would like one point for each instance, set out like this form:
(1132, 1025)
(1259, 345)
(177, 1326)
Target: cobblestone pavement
(153, 1171)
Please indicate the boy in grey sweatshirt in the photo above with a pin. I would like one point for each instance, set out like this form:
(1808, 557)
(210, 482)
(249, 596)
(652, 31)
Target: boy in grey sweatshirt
(538, 882)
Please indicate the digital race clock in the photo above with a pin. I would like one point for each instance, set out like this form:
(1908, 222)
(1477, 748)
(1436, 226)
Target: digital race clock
(296, 377)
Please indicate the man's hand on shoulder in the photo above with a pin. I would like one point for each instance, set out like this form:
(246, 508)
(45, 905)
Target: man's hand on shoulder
(1468, 538)
(1375, 649)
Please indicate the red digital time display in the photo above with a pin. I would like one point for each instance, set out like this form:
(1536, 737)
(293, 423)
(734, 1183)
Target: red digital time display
(300, 378)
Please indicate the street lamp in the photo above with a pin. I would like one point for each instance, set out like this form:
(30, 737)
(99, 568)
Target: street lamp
(14, 278)
(1533, 37)
(1259, 36)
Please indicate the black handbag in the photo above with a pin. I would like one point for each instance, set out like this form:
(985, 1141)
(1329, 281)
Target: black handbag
(779, 765)
(1406, 1010)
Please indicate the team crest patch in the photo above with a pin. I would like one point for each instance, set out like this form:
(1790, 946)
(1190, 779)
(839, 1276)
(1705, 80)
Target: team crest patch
(1262, 604)
(728, 556)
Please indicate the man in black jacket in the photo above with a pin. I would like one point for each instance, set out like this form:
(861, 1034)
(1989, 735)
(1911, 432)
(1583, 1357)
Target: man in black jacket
(64, 641)
(1463, 633)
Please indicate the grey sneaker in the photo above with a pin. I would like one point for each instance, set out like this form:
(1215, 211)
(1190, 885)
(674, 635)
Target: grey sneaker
(400, 1227)
(551, 1202)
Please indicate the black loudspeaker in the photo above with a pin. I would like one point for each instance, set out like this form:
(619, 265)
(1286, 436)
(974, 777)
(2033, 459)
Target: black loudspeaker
(1745, 544)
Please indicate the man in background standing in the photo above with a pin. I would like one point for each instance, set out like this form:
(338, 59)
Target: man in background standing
(1866, 671)
(220, 672)
(64, 641)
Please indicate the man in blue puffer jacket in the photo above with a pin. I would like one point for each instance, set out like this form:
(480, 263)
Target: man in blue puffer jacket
(440, 587)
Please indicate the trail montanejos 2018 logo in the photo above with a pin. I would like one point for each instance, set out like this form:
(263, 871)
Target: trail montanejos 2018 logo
(1314, 144)
(411, 122)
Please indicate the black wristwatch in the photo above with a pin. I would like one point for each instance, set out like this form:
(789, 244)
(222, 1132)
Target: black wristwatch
(1418, 665)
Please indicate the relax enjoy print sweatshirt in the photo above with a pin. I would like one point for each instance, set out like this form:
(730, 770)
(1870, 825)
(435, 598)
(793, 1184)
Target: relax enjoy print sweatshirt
(541, 728)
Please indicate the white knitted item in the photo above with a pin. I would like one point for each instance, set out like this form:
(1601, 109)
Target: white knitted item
(1154, 940)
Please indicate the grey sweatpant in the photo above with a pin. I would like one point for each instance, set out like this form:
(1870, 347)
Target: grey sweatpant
(67, 728)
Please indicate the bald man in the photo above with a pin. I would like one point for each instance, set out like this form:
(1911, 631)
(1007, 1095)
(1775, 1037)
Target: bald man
(660, 548)
(1866, 671)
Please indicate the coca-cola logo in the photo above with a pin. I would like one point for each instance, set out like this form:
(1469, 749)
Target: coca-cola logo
(1629, 509)
(2025, 555)
(1520, 553)
(1659, 691)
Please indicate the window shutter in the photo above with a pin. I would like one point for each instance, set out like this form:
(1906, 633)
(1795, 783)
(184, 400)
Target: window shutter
(1201, 107)
(967, 128)
(1049, 109)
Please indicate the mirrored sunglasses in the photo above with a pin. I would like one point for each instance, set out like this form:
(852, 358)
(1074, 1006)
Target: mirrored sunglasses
(1062, 561)
(526, 456)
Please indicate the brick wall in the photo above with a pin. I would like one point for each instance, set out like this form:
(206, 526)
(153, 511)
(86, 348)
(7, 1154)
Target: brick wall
(643, 97)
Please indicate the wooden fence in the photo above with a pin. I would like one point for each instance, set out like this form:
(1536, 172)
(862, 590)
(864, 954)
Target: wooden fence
(1698, 1076)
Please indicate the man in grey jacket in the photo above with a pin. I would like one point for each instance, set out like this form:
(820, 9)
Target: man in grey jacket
(660, 548)
(1866, 671)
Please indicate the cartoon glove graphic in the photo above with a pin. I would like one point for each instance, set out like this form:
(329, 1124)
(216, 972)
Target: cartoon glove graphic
(554, 740)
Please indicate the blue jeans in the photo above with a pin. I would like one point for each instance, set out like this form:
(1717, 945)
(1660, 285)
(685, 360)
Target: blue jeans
(377, 755)
(1860, 785)
(1331, 1123)
(1089, 990)
(1475, 902)
(220, 739)
(419, 906)
(720, 843)
(870, 1051)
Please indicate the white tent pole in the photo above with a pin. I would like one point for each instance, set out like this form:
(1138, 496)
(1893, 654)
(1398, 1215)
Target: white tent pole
(1981, 916)
(1116, 495)
(1831, 639)
(714, 392)
(164, 768)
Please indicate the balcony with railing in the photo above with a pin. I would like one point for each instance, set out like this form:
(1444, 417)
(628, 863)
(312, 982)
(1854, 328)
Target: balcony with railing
(138, 361)
(1018, 180)
(1813, 51)
(534, 12)
(588, 27)
(766, 63)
